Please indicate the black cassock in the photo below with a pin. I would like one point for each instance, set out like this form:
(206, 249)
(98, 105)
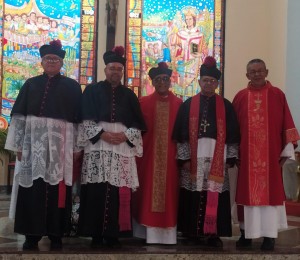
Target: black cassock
(37, 211)
(192, 203)
(99, 202)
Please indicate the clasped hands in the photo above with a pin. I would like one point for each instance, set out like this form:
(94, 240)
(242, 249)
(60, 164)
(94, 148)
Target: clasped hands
(114, 138)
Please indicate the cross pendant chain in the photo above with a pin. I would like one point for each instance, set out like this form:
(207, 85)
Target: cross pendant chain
(205, 124)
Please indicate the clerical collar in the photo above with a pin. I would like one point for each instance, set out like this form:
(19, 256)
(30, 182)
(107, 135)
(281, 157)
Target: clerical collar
(54, 76)
(252, 87)
(108, 83)
(206, 97)
(165, 97)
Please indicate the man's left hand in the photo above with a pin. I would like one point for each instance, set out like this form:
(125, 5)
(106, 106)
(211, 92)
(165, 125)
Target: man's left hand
(118, 138)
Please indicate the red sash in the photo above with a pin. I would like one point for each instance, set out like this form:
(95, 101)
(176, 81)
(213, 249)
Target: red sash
(258, 165)
(62, 189)
(124, 208)
(217, 167)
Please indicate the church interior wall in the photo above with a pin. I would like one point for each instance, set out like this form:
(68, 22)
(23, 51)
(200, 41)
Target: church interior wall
(267, 29)
(293, 61)
(253, 29)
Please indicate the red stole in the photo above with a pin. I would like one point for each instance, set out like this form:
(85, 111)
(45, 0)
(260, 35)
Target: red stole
(258, 146)
(62, 189)
(160, 153)
(217, 167)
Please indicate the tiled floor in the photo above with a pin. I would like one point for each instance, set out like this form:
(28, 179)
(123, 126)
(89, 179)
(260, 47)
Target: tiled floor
(287, 245)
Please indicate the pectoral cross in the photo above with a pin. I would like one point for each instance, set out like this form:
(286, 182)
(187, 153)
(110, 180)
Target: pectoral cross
(204, 124)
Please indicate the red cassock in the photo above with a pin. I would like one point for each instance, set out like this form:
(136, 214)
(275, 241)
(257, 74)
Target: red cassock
(266, 126)
(155, 202)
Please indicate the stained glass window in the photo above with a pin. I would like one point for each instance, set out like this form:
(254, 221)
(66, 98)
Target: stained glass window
(28, 24)
(181, 33)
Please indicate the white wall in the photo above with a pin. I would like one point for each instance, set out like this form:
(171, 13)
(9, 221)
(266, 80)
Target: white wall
(277, 42)
(293, 61)
(266, 29)
(254, 29)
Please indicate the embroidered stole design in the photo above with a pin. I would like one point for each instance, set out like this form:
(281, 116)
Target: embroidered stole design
(161, 130)
(258, 162)
(217, 167)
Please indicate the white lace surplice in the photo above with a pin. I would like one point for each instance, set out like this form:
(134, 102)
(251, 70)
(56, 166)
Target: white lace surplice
(104, 162)
(205, 154)
(47, 147)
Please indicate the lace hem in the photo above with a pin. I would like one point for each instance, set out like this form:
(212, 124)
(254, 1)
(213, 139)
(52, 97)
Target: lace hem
(202, 182)
(16, 133)
(183, 151)
(47, 147)
(205, 152)
(107, 166)
(232, 151)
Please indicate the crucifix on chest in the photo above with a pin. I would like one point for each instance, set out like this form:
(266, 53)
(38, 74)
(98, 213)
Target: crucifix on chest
(204, 124)
(258, 100)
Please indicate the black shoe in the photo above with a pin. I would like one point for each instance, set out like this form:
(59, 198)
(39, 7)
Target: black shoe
(200, 240)
(56, 243)
(268, 244)
(30, 245)
(112, 242)
(243, 242)
(97, 242)
(214, 242)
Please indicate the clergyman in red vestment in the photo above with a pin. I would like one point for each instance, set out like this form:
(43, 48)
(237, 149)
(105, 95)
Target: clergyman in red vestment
(268, 138)
(155, 202)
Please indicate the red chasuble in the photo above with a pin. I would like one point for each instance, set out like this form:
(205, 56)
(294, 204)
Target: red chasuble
(266, 126)
(155, 201)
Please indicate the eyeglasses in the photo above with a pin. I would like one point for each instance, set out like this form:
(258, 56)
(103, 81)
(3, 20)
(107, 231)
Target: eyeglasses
(210, 81)
(161, 79)
(113, 69)
(254, 72)
(51, 60)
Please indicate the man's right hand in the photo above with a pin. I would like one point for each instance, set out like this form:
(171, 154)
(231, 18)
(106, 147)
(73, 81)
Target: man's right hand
(113, 138)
